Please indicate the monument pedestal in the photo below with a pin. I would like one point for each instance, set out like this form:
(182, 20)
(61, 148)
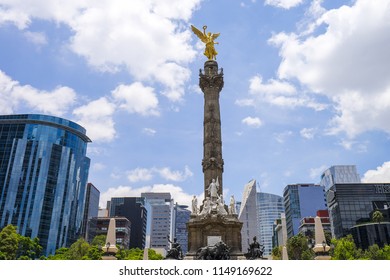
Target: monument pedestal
(207, 230)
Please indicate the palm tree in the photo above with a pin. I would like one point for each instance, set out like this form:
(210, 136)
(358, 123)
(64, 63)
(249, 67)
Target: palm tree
(377, 217)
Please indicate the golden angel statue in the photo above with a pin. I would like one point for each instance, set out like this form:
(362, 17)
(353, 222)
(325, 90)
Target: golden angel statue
(208, 39)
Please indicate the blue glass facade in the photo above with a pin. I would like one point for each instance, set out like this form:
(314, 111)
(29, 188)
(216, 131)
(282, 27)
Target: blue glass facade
(269, 208)
(43, 178)
(181, 217)
(91, 206)
(302, 200)
(351, 204)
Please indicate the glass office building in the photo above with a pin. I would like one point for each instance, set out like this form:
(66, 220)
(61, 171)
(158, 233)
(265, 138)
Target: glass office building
(91, 208)
(43, 178)
(160, 225)
(339, 174)
(302, 200)
(352, 204)
(180, 219)
(134, 209)
(269, 208)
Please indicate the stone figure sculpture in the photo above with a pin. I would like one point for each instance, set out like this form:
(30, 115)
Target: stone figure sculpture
(232, 206)
(194, 205)
(208, 40)
(206, 207)
(213, 189)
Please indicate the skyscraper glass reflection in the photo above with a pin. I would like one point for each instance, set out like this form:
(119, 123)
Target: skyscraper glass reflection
(43, 177)
(269, 208)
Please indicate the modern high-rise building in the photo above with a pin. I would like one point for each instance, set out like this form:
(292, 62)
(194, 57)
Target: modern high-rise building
(248, 215)
(180, 218)
(99, 226)
(91, 205)
(43, 178)
(307, 226)
(351, 204)
(339, 174)
(134, 209)
(160, 219)
(269, 208)
(302, 200)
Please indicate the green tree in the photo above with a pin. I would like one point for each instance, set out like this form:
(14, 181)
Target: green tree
(345, 249)
(153, 255)
(298, 249)
(60, 254)
(377, 217)
(78, 250)
(277, 253)
(99, 240)
(94, 253)
(28, 249)
(9, 242)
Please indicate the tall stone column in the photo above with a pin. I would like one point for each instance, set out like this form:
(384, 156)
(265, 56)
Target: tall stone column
(211, 83)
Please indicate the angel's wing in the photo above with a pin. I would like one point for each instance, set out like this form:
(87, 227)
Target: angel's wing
(217, 183)
(199, 33)
(215, 36)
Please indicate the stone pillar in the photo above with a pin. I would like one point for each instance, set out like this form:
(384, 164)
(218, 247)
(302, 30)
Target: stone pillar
(110, 248)
(321, 249)
(211, 83)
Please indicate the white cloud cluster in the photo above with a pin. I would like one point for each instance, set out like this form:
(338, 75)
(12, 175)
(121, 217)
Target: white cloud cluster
(253, 122)
(174, 175)
(285, 4)
(145, 37)
(279, 93)
(308, 133)
(136, 98)
(96, 117)
(379, 175)
(13, 96)
(348, 63)
(140, 174)
(177, 193)
(146, 174)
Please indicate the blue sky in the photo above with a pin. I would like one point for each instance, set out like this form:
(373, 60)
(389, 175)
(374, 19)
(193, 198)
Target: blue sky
(306, 87)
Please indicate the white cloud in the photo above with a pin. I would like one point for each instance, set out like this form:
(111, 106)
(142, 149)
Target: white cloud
(96, 117)
(285, 4)
(140, 174)
(13, 96)
(136, 98)
(283, 136)
(308, 133)
(146, 174)
(149, 131)
(347, 62)
(245, 102)
(175, 175)
(148, 38)
(253, 122)
(37, 38)
(278, 93)
(177, 193)
(354, 145)
(379, 175)
(98, 166)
